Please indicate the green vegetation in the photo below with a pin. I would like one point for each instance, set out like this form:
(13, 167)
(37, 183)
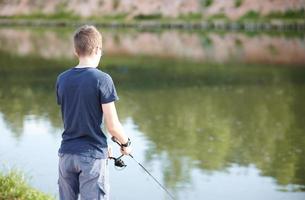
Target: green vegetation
(13, 186)
(148, 17)
(39, 15)
(118, 18)
(206, 3)
(290, 14)
(251, 15)
(219, 16)
(287, 15)
(238, 3)
(191, 16)
(63, 17)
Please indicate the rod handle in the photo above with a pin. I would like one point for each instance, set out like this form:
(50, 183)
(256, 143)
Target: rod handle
(115, 140)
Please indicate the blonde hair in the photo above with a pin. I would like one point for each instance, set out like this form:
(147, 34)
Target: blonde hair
(86, 39)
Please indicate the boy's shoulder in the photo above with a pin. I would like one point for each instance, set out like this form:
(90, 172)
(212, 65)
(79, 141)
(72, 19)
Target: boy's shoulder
(100, 74)
(63, 74)
(95, 72)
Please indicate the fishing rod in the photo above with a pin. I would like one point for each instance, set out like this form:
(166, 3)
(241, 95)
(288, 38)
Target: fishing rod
(118, 162)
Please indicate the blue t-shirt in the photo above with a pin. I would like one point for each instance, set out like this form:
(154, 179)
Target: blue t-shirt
(80, 93)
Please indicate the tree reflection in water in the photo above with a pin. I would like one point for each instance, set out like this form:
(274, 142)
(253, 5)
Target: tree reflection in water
(205, 116)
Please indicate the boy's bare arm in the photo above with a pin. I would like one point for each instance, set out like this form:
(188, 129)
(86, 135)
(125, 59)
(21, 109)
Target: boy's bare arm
(114, 126)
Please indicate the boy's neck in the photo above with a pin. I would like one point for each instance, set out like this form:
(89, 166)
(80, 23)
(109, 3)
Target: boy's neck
(86, 62)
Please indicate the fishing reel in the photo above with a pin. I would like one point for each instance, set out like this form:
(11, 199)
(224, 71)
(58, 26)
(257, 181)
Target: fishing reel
(118, 162)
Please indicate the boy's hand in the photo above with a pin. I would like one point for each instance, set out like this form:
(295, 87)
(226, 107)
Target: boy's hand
(126, 150)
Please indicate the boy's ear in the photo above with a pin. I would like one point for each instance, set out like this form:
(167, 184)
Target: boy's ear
(75, 53)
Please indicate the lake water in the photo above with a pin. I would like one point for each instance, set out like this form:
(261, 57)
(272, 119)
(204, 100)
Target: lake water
(211, 115)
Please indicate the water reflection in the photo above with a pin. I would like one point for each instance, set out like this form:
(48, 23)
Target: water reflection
(277, 48)
(207, 117)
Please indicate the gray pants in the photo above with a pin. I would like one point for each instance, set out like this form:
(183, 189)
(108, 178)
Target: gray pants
(83, 176)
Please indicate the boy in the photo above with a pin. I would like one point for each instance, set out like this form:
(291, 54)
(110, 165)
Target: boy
(86, 96)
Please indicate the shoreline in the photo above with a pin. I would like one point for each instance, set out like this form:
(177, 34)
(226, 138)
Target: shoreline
(246, 25)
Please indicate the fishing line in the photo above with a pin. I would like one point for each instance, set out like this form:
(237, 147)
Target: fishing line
(118, 162)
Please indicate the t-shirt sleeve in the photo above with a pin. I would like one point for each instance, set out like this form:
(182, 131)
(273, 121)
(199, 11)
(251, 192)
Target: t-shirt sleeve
(107, 91)
(57, 97)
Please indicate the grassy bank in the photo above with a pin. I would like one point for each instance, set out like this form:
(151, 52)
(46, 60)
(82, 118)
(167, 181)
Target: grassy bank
(13, 186)
(219, 24)
(190, 17)
(288, 20)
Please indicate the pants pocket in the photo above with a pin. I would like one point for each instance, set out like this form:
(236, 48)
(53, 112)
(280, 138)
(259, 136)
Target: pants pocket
(103, 181)
(93, 180)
